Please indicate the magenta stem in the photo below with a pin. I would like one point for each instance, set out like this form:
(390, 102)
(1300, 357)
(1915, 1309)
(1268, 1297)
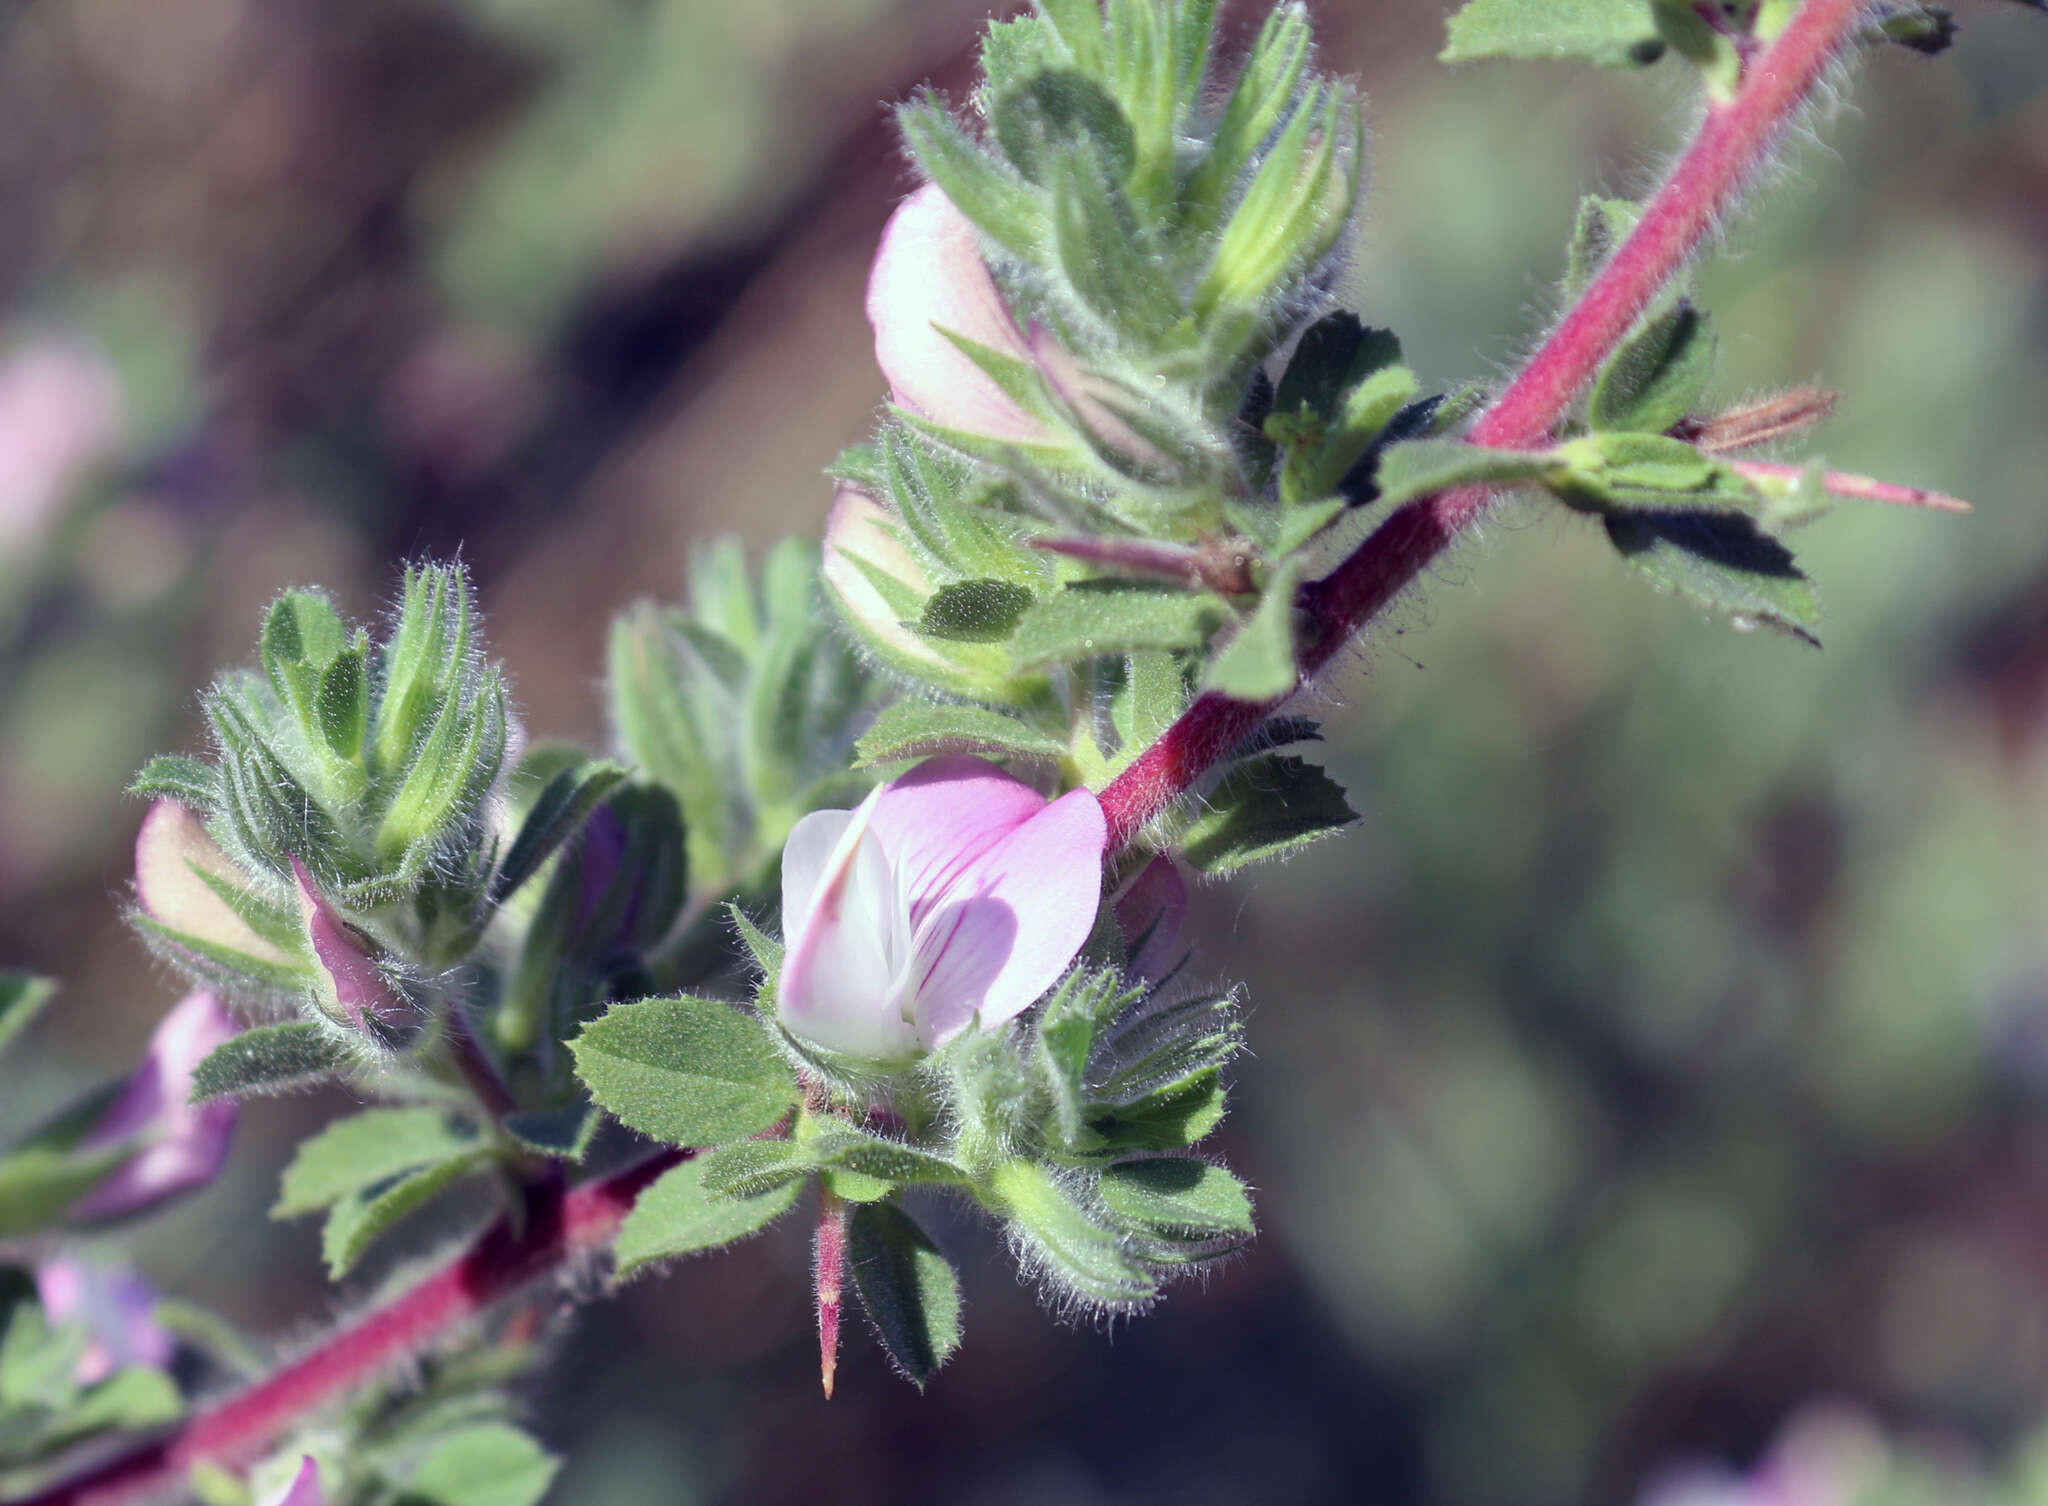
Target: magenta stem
(1734, 143)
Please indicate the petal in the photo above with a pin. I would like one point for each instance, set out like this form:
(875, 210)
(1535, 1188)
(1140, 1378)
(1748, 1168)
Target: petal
(839, 985)
(1011, 924)
(1089, 399)
(188, 1142)
(350, 986)
(1150, 912)
(172, 851)
(929, 277)
(943, 817)
(806, 854)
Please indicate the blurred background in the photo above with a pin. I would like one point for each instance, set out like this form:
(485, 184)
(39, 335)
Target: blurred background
(1666, 1051)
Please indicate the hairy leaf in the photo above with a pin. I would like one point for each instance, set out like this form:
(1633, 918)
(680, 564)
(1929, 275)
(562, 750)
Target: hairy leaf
(271, 1059)
(1265, 807)
(908, 1289)
(1608, 33)
(678, 1215)
(691, 1072)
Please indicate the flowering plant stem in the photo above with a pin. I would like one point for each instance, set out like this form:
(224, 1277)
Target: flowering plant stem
(554, 1227)
(1734, 143)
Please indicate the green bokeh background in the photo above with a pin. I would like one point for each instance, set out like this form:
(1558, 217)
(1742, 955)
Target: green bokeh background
(1668, 1047)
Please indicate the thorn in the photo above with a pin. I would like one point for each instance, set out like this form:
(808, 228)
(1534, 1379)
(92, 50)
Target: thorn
(1858, 488)
(829, 1269)
(1758, 423)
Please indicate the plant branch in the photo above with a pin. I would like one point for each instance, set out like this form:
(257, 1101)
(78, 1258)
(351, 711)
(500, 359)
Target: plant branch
(1734, 144)
(511, 1255)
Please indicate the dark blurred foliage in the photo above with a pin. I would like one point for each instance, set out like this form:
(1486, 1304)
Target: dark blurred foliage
(1668, 1048)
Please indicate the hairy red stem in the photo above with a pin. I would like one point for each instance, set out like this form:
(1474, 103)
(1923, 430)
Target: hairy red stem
(1734, 143)
(557, 1226)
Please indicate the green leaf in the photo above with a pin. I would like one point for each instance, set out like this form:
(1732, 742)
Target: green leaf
(22, 997)
(1067, 1027)
(558, 813)
(1258, 664)
(1073, 1244)
(974, 611)
(1179, 1197)
(1335, 355)
(40, 1182)
(1607, 33)
(884, 1160)
(490, 1464)
(271, 1059)
(367, 1150)
(1423, 467)
(1929, 29)
(755, 1166)
(1266, 807)
(678, 1215)
(359, 1219)
(129, 1399)
(563, 1132)
(1658, 375)
(1095, 619)
(1723, 561)
(908, 1289)
(1003, 206)
(691, 1072)
(911, 729)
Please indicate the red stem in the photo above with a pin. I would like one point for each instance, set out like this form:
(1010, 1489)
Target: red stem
(507, 1257)
(1734, 143)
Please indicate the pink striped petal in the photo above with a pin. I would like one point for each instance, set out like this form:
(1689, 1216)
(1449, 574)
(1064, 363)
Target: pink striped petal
(929, 277)
(838, 985)
(186, 1143)
(940, 819)
(1010, 923)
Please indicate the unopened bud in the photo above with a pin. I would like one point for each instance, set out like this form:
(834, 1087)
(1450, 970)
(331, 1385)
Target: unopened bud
(347, 983)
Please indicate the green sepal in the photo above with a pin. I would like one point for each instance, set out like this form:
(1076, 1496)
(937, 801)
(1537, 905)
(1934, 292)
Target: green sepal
(1068, 1024)
(1265, 807)
(367, 1151)
(1724, 561)
(172, 776)
(1187, 1209)
(1161, 1049)
(23, 996)
(558, 813)
(766, 951)
(224, 969)
(677, 1215)
(1097, 619)
(912, 729)
(845, 1149)
(1658, 375)
(1423, 467)
(1169, 1121)
(1069, 1242)
(1005, 207)
(272, 1059)
(1050, 114)
(1602, 225)
(687, 1071)
(1606, 33)
(907, 1288)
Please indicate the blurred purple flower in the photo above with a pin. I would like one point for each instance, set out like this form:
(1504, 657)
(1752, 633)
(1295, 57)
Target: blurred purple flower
(181, 1145)
(1151, 911)
(1828, 1455)
(60, 412)
(954, 895)
(116, 1308)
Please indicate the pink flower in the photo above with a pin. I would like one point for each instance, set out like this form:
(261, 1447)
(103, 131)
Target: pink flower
(60, 413)
(856, 531)
(182, 1145)
(116, 1308)
(929, 282)
(954, 896)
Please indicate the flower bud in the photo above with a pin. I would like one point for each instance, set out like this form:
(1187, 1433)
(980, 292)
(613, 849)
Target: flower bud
(179, 874)
(857, 535)
(117, 1309)
(305, 1487)
(951, 899)
(182, 1144)
(1150, 912)
(347, 983)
